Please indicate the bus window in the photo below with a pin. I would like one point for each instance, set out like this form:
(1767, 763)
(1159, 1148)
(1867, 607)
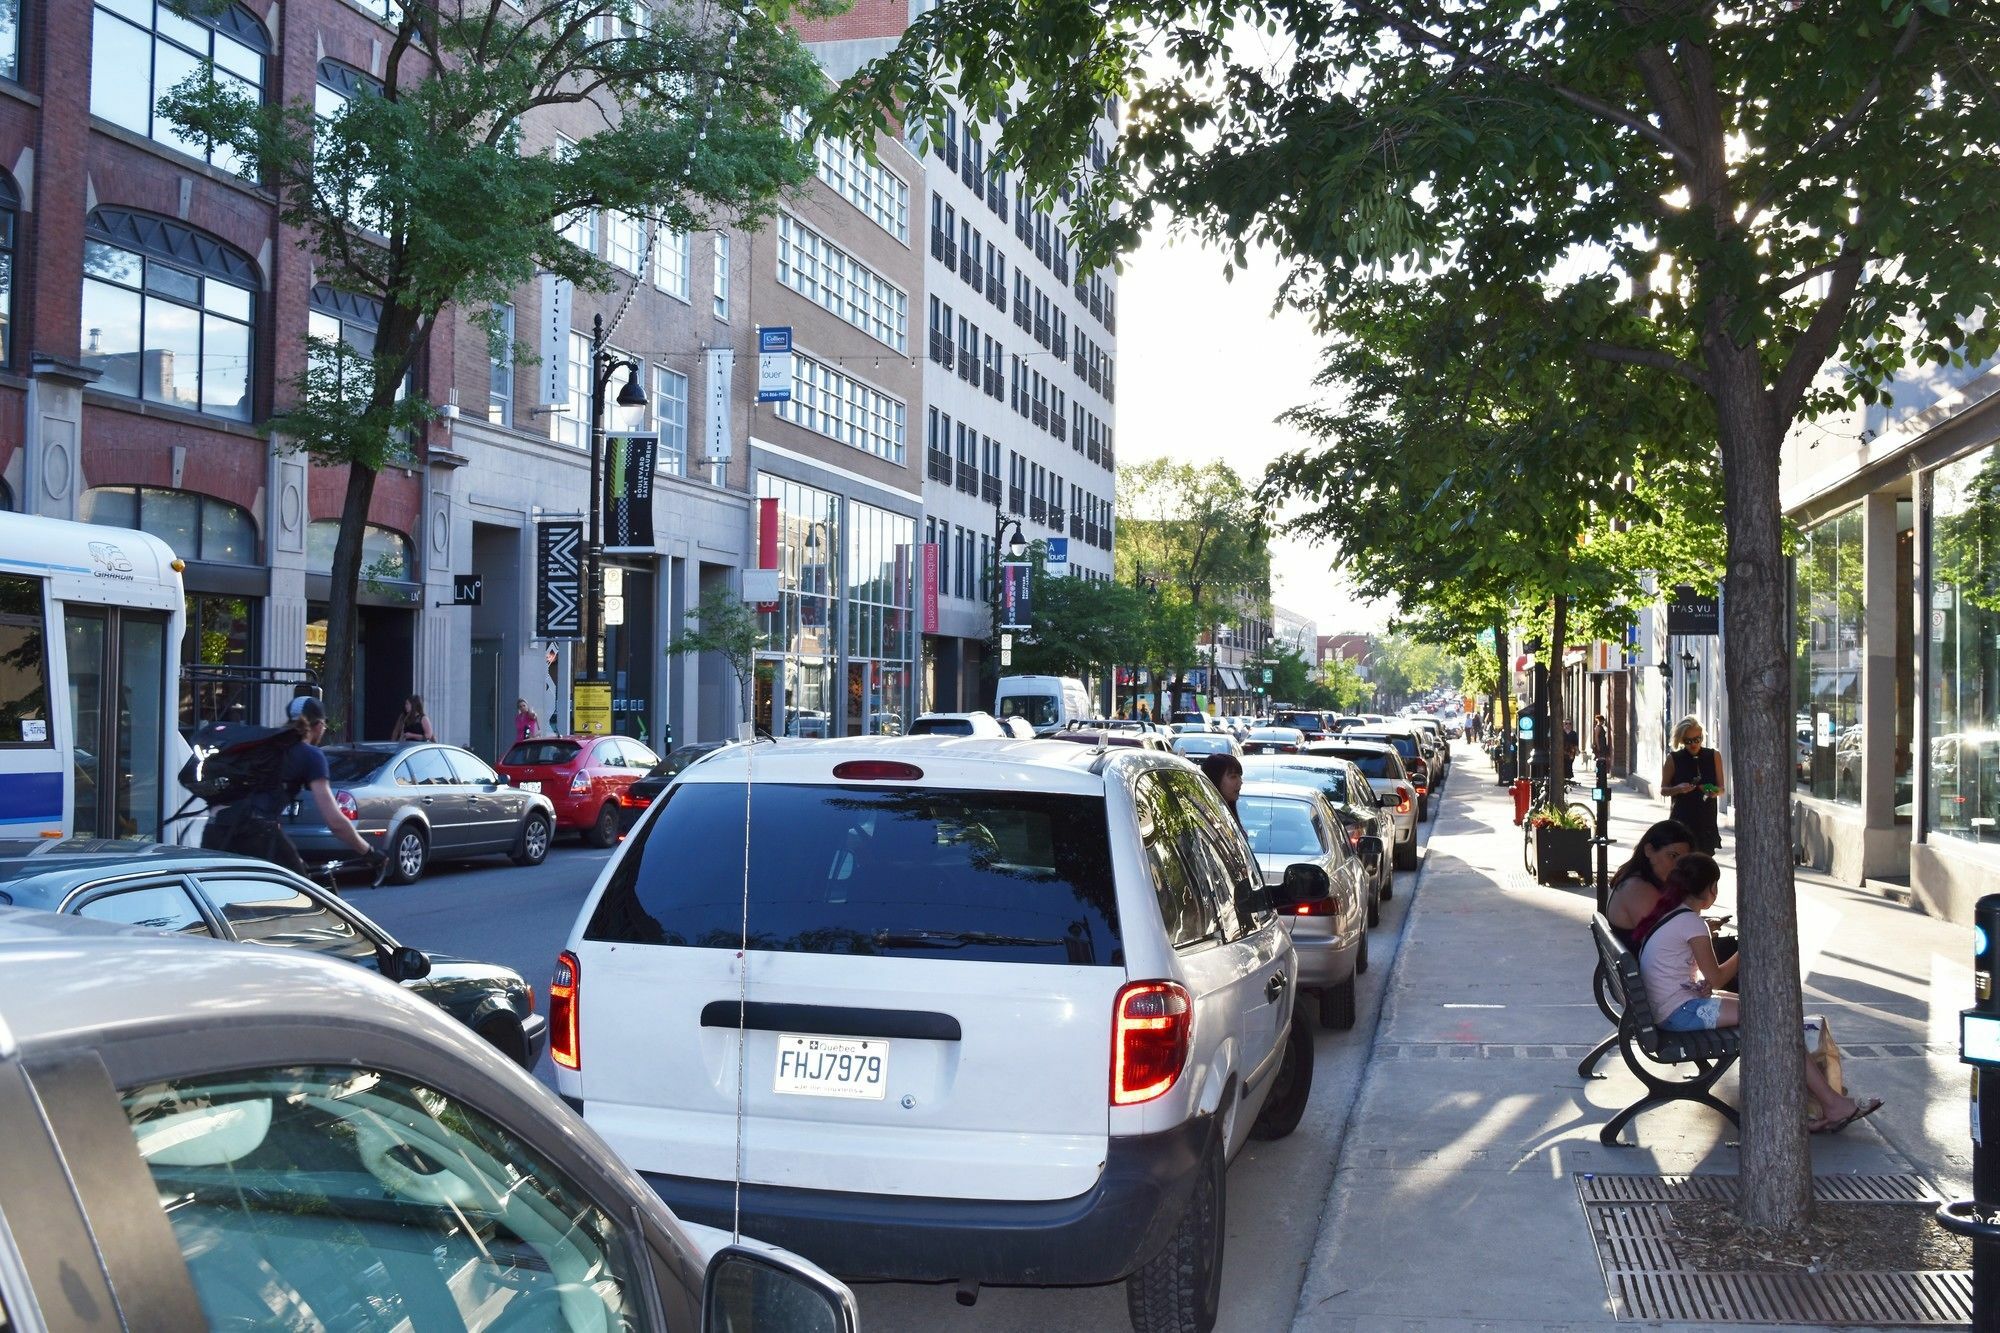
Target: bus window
(24, 685)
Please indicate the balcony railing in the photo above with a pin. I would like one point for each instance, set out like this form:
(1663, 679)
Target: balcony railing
(968, 478)
(1014, 498)
(1038, 509)
(989, 489)
(939, 467)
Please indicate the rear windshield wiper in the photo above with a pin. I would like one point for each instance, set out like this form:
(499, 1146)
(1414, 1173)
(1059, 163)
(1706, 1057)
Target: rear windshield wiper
(957, 939)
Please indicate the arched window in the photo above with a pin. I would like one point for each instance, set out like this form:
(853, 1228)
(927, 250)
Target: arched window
(139, 51)
(168, 313)
(10, 209)
(385, 553)
(195, 527)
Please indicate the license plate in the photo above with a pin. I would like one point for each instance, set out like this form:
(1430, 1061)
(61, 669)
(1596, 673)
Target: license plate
(531, 786)
(856, 1067)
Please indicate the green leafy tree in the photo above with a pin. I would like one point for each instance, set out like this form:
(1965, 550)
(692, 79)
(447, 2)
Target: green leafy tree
(426, 192)
(1082, 626)
(1779, 206)
(724, 624)
(1347, 689)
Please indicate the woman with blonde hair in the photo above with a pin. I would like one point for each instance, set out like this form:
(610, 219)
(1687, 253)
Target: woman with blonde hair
(1692, 779)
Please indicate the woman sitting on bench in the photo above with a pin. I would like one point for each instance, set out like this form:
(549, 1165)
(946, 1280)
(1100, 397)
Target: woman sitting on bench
(1638, 889)
(1682, 975)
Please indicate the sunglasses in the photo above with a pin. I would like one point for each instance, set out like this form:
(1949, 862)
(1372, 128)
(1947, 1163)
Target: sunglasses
(1691, 736)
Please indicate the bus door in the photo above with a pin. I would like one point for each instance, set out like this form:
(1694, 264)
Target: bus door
(119, 717)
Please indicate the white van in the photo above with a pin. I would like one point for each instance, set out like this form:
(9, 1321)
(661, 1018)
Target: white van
(1049, 703)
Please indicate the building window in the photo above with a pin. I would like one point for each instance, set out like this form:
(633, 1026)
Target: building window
(572, 426)
(140, 51)
(880, 577)
(882, 196)
(10, 208)
(10, 39)
(221, 632)
(195, 527)
(337, 87)
(670, 263)
(341, 317)
(843, 408)
(500, 367)
(834, 280)
(1964, 629)
(624, 240)
(670, 418)
(1828, 663)
(722, 275)
(167, 313)
(385, 553)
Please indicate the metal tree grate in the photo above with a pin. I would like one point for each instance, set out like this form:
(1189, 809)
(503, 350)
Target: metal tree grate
(1647, 1282)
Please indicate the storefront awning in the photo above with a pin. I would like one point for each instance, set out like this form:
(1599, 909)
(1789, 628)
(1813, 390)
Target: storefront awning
(1232, 679)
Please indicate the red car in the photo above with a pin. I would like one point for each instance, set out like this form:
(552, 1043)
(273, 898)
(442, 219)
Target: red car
(585, 777)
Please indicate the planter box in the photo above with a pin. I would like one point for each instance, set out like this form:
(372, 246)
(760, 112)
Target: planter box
(1562, 856)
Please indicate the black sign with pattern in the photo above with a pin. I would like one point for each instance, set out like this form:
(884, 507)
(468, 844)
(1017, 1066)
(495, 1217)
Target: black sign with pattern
(559, 580)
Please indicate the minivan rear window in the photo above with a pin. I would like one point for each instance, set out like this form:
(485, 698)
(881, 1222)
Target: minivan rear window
(1405, 746)
(985, 876)
(1041, 710)
(1372, 763)
(542, 752)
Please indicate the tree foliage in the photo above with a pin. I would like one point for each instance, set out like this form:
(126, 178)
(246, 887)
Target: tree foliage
(441, 183)
(1082, 626)
(724, 624)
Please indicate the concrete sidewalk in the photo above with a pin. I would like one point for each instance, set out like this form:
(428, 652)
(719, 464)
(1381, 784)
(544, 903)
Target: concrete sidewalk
(1454, 1203)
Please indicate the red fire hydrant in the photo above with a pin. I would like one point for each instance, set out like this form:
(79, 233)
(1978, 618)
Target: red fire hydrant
(1520, 799)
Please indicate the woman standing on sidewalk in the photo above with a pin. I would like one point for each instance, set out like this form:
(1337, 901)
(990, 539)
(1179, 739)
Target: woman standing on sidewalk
(1692, 776)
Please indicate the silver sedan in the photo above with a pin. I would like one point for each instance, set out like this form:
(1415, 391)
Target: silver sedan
(1291, 826)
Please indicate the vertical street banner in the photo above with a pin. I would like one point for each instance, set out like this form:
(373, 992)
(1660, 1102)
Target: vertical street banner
(552, 376)
(774, 365)
(629, 457)
(767, 543)
(559, 580)
(1016, 599)
(930, 588)
(721, 374)
(1055, 562)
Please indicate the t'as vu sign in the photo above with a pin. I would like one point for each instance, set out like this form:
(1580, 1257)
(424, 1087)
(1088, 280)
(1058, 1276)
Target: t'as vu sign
(1693, 613)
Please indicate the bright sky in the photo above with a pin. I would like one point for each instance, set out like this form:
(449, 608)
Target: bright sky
(1204, 368)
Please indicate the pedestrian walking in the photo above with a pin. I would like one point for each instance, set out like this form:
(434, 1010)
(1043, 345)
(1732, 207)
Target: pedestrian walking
(1692, 778)
(413, 725)
(1570, 747)
(1226, 772)
(1600, 737)
(526, 724)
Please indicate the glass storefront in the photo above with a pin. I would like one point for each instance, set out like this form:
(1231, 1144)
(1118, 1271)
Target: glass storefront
(1963, 685)
(794, 685)
(220, 633)
(629, 653)
(1827, 658)
(879, 605)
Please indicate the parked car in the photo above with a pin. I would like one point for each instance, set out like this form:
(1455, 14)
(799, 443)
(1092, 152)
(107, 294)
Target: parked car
(1045, 981)
(644, 791)
(216, 895)
(1410, 746)
(1274, 740)
(1196, 744)
(587, 778)
(1382, 765)
(1311, 725)
(957, 724)
(1288, 826)
(1018, 727)
(1438, 749)
(204, 1136)
(1047, 702)
(418, 801)
(1362, 813)
(1113, 731)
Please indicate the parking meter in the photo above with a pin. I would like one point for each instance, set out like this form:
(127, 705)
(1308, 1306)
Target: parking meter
(1600, 795)
(1978, 1218)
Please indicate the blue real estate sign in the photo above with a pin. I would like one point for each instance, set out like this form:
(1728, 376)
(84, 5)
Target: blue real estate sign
(774, 364)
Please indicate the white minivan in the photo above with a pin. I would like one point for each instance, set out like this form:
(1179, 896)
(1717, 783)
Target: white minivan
(1049, 703)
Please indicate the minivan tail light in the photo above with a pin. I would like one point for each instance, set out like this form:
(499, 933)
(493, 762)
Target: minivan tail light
(345, 800)
(565, 1047)
(1153, 1022)
(877, 770)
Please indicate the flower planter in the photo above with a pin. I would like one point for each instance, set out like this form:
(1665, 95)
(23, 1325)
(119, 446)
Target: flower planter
(1562, 855)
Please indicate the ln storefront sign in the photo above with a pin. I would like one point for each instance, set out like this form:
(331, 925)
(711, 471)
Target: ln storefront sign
(774, 365)
(628, 492)
(721, 372)
(559, 580)
(590, 707)
(552, 376)
(1693, 613)
(466, 589)
(1016, 600)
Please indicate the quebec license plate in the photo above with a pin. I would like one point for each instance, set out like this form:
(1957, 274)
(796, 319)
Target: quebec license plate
(531, 786)
(856, 1067)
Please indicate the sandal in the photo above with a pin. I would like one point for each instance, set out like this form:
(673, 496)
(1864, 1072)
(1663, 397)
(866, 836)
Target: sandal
(1861, 1110)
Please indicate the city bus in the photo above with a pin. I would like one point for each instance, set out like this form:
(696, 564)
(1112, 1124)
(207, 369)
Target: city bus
(91, 623)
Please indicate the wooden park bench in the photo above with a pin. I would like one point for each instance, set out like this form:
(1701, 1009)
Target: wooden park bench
(1711, 1051)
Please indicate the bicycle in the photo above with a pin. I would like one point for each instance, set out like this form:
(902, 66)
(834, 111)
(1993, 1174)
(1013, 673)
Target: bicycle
(1541, 798)
(326, 872)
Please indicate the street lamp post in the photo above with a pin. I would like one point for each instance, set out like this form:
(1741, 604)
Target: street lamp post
(602, 366)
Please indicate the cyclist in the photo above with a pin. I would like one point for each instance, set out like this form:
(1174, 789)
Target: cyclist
(251, 826)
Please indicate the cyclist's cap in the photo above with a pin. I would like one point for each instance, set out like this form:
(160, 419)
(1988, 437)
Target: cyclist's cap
(306, 707)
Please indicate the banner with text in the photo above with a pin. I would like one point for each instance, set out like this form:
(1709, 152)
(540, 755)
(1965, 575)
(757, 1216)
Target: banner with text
(628, 491)
(552, 375)
(721, 372)
(774, 364)
(559, 580)
(1016, 598)
(930, 588)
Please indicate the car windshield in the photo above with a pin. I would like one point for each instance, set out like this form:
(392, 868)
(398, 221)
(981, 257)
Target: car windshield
(529, 753)
(1041, 710)
(1278, 827)
(1372, 763)
(354, 765)
(993, 876)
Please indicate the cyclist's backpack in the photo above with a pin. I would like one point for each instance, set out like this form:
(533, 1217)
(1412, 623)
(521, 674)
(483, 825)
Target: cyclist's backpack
(232, 760)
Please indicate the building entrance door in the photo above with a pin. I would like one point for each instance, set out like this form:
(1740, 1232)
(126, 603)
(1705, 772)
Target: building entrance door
(489, 738)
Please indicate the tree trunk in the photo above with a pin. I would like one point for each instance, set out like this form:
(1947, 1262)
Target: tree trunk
(342, 619)
(1775, 1177)
(1503, 650)
(1558, 753)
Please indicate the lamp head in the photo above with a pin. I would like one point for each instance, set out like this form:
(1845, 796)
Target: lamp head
(631, 395)
(1017, 545)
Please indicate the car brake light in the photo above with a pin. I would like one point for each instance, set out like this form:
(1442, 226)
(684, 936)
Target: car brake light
(626, 798)
(1152, 1024)
(1354, 836)
(1327, 907)
(877, 770)
(564, 1045)
(579, 784)
(345, 800)
(1402, 802)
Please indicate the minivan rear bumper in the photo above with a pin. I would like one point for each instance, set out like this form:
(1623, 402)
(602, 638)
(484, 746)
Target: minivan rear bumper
(1099, 1236)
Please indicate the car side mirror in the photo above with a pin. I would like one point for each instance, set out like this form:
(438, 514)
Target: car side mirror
(1303, 883)
(404, 963)
(745, 1290)
(1388, 802)
(1369, 848)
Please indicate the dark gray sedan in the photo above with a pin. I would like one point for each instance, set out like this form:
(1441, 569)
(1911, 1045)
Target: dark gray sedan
(418, 801)
(215, 895)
